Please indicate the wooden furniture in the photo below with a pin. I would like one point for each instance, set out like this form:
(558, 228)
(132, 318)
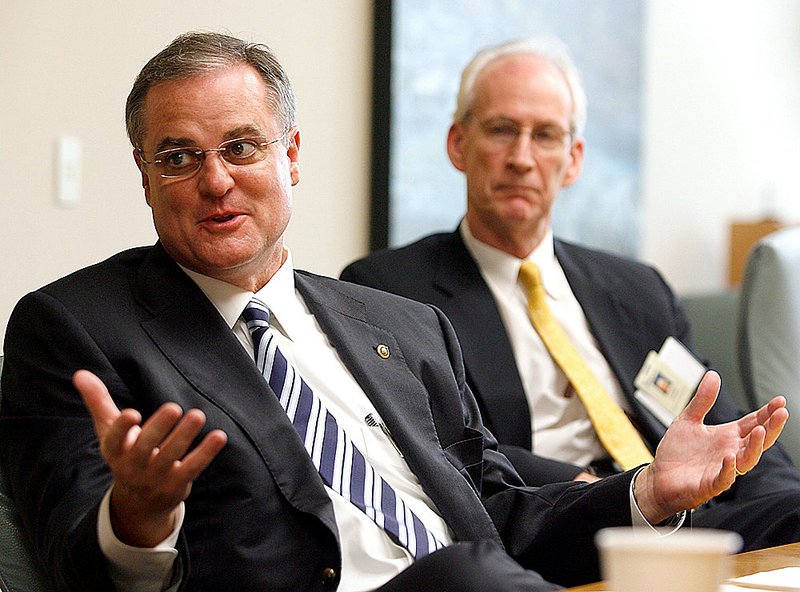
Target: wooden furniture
(743, 563)
(743, 235)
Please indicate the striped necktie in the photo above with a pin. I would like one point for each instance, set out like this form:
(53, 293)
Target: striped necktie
(615, 431)
(341, 465)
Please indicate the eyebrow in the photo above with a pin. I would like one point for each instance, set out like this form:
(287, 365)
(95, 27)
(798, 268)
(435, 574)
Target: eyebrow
(170, 142)
(242, 131)
(507, 119)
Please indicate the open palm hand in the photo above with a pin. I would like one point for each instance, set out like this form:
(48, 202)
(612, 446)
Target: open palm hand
(695, 462)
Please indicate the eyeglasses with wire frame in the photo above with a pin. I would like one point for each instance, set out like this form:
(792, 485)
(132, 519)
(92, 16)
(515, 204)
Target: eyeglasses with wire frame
(184, 161)
(504, 133)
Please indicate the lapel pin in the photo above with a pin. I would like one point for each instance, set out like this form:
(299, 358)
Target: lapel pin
(383, 351)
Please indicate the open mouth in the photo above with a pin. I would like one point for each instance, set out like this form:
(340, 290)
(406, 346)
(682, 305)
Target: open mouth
(223, 218)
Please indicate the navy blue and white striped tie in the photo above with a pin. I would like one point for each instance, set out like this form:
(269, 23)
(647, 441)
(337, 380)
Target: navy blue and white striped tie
(341, 465)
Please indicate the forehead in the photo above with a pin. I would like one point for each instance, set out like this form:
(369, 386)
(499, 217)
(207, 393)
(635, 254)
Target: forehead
(207, 107)
(522, 86)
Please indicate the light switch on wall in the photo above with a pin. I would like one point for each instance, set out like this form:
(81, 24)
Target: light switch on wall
(69, 156)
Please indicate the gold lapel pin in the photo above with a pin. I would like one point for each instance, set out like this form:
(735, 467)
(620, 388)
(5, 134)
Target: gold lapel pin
(383, 351)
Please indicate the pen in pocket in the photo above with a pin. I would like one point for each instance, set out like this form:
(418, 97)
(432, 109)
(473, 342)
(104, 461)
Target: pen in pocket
(374, 423)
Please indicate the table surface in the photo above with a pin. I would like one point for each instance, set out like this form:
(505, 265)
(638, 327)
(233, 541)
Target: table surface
(744, 563)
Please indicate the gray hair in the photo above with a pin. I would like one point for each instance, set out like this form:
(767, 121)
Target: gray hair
(197, 53)
(549, 48)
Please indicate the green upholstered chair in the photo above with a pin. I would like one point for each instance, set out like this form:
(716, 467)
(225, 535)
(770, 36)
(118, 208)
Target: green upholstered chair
(714, 320)
(769, 328)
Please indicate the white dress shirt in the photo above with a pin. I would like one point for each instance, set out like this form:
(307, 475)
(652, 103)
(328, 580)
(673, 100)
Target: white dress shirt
(369, 557)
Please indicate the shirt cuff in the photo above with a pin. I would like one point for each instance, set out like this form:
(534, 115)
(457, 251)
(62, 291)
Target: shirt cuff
(137, 569)
(669, 526)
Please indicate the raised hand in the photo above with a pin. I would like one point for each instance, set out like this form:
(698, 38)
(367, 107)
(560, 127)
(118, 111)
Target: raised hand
(152, 465)
(695, 462)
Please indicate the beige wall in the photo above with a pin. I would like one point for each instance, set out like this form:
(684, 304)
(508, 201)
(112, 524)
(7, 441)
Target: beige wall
(722, 126)
(66, 70)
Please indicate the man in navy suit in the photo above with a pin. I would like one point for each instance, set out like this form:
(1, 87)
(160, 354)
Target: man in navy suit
(516, 135)
(147, 451)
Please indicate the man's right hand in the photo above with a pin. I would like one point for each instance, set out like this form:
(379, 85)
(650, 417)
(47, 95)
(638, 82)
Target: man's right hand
(152, 465)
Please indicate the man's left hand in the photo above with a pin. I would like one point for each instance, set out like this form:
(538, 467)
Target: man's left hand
(695, 462)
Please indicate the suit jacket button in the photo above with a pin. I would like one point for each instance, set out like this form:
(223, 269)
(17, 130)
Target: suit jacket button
(329, 577)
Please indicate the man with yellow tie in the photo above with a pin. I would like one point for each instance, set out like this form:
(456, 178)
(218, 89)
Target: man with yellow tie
(554, 334)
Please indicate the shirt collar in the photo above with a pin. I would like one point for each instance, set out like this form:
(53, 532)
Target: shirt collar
(503, 268)
(230, 300)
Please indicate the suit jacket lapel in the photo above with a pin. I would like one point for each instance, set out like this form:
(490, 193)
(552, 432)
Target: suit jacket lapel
(470, 306)
(385, 380)
(198, 343)
(608, 304)
(403, 403)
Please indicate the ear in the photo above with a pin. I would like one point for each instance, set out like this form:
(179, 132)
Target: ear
(145, 179)
(576, 163)
(293, 152)
(455, 145)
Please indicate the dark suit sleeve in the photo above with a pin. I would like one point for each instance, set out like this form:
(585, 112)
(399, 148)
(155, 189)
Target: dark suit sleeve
(537, 470)
(49, 449)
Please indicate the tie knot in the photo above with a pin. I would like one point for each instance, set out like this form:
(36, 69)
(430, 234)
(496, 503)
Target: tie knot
(256, 315)
(530, 276)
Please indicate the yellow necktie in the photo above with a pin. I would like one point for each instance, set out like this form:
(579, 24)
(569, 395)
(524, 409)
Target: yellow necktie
(613, 427)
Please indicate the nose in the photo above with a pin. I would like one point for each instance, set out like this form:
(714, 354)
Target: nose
(214, 177)
(520, 154)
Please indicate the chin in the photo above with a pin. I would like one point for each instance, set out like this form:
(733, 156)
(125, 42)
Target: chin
(523, 216)
(220, 261)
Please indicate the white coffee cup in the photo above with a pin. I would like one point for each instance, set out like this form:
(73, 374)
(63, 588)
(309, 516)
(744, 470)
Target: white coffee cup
(688, 560)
